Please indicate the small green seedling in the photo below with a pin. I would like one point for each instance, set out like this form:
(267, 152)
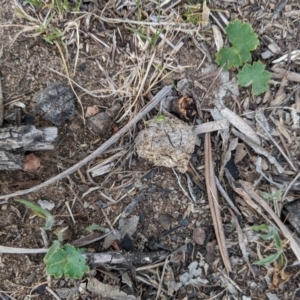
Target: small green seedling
(65, 260)
(269, 197)
(243, 41)
(270, 233)
(36, 3)
(160, 118)
(94, 227)
(232, 224)
(193, 14)
(39, 212)
(60, 260)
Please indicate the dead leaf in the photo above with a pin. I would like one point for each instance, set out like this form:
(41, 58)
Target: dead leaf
(91, 111)
(205, 14)
(106, 290)
(31, 163)
(279, 277)
(199, 235)
(218, 37)
(210, 251)
(240, 124)
(166, 221)
(240, 153)
(282, 129)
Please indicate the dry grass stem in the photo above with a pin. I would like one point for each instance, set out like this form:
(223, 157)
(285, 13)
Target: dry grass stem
(212, 198)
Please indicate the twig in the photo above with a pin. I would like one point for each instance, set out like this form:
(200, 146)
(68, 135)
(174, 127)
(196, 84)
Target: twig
(289, 186)
(161, 279)
(1, 105)
(13, 250)
(52, 293)
(226, 197)
(212, 195)
(158, 97)
(241, 239)
(211, 126)
(179, 183)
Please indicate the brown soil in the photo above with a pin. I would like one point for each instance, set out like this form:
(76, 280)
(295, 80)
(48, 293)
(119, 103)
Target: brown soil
(27, 65)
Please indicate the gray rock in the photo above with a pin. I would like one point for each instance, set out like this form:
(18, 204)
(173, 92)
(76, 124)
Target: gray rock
(56, 103)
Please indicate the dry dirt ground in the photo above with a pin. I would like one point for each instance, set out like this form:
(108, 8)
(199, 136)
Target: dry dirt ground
(111, 61)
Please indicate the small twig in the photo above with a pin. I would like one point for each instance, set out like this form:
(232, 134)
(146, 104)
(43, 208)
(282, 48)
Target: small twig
(70, 211)
(13, 250)
(108, 221)
(226, 197)
(289, 186)
(1, 105)
(161, 279)
(226, 277)
(68, 77)
(179, 183)
(212, 195)
(52, 293)
(158, 97)
(241, 239)
(211, 126)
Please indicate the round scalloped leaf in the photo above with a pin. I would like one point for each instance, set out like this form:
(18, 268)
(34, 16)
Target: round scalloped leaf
(65, 260)
(76, 262)
(256, 75)
(242, 37)
(55, 263)
(228, 58)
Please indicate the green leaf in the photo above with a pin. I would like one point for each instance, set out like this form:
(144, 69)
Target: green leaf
(76, 265)
(269, 197)
(40, 212)
(278, 241)
(267, 260)
(243, 41)
(36, 3)
(54, 254)
(93, 227)
(65, 260)
(242, 38)
(260, 227)
(255, 75)
(55, 246)
(228, 58)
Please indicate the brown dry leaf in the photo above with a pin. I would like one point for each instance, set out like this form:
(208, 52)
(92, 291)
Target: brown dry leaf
(218, 37)
(280, 277)
(199, 235)
(280, 95)
(91, 111)
(240, 124)
(166, 221)
(205, 14)
(31, 163)
(210, 251)
(106, 290)
(240, 153)
(282, 129)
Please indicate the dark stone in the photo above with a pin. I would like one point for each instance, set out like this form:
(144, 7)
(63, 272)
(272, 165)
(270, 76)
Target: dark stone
(56, 103)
